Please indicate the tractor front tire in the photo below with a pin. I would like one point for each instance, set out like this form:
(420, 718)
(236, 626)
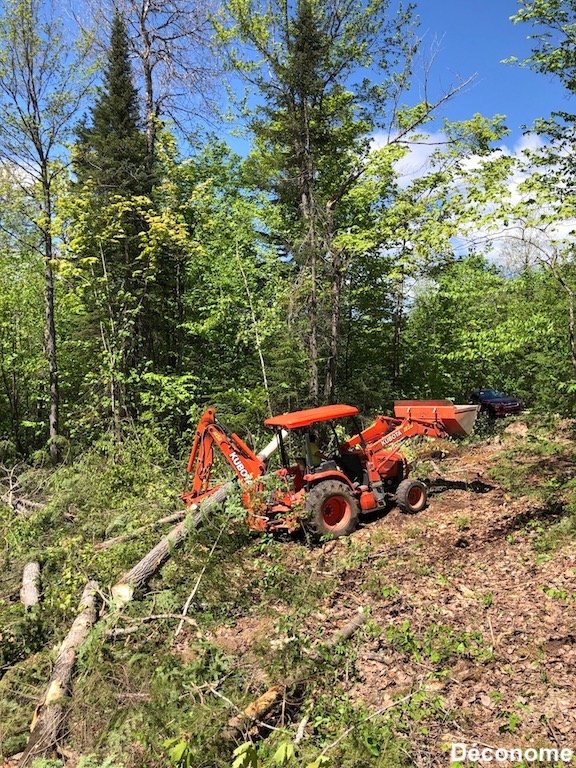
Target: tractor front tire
(412, 496)
(332, 509)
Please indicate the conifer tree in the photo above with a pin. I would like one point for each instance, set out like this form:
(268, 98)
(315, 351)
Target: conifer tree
(112, 150)
(314, 129)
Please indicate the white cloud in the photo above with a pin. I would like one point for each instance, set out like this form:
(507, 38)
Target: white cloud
(417, 163)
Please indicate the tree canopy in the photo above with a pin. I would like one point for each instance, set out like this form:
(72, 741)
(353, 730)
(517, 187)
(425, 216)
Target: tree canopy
(307, 270)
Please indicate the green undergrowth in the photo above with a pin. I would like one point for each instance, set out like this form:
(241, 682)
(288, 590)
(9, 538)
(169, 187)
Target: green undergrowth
(540, 464)
(110, 489)
(145, 696)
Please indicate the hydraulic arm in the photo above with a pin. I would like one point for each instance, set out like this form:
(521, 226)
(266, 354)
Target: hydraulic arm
(240, 457)
(380, 443)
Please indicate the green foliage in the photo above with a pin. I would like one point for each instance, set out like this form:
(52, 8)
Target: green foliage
(22, 414)
(111, 151)
(179, 753)
(42, 81)
(345, 226)
(246, 756)
(22, 635)
(552, 23)
(285, 752)
(511, 721)
(114, 238)
(85, 762)
(438, 643)
(475, 327)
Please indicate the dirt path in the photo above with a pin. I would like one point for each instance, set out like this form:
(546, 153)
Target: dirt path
(468, 564)
(467, 610)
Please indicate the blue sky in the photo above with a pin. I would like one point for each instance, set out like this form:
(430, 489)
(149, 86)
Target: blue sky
(474, 37)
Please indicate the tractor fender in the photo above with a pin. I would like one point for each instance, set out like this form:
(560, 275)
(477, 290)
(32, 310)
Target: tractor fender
(318, 477)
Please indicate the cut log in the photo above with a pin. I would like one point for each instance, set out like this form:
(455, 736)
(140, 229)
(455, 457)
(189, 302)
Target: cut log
(145, 569)
(30, 590)
(20, 504)
(50, 713)
(348, 629)
(257, 709)
(138, 575)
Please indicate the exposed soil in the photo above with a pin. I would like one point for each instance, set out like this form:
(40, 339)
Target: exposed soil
(466, 564)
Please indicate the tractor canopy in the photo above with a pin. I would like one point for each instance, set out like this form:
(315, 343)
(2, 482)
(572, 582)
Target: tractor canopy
(299, 419)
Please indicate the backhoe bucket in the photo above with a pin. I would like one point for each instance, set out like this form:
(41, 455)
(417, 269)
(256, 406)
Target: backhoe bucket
(457, 419)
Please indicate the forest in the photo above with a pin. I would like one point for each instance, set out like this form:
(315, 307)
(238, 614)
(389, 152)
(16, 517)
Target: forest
(149, 270)
(209, 206)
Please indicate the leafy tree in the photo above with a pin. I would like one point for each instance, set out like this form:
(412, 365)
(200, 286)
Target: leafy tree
(314, 139)
(236, 291)
(175, 67)
(41, 88)
(476, 327)
(542, 217)
(22, 360)
(552, 36)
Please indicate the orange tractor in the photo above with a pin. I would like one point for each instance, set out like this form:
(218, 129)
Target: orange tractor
(363, 474)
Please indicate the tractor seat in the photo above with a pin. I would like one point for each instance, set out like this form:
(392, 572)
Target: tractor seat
(352, 467)
(326, 466)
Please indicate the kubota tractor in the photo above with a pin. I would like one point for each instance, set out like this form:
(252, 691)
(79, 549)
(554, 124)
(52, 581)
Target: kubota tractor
(364, 474)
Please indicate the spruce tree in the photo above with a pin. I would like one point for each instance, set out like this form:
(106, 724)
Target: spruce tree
(111, 152)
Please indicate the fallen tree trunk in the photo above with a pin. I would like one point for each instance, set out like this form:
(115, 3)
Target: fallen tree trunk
(51, 710)
(257, 709)
(123, 590)
(50, 713)
(137, 576)
(30, 590)
(20, 504)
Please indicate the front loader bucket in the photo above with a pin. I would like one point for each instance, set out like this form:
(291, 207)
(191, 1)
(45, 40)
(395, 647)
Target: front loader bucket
(457, 419)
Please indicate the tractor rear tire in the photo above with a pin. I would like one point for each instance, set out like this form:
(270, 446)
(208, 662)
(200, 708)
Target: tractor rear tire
(412, 496)
(332, 509)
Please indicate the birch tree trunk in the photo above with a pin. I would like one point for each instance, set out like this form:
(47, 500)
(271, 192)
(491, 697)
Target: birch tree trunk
(50, 713)
(30, 591)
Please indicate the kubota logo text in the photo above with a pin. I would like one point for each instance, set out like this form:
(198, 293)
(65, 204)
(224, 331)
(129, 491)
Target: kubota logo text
(242, 471)
(392, 436)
